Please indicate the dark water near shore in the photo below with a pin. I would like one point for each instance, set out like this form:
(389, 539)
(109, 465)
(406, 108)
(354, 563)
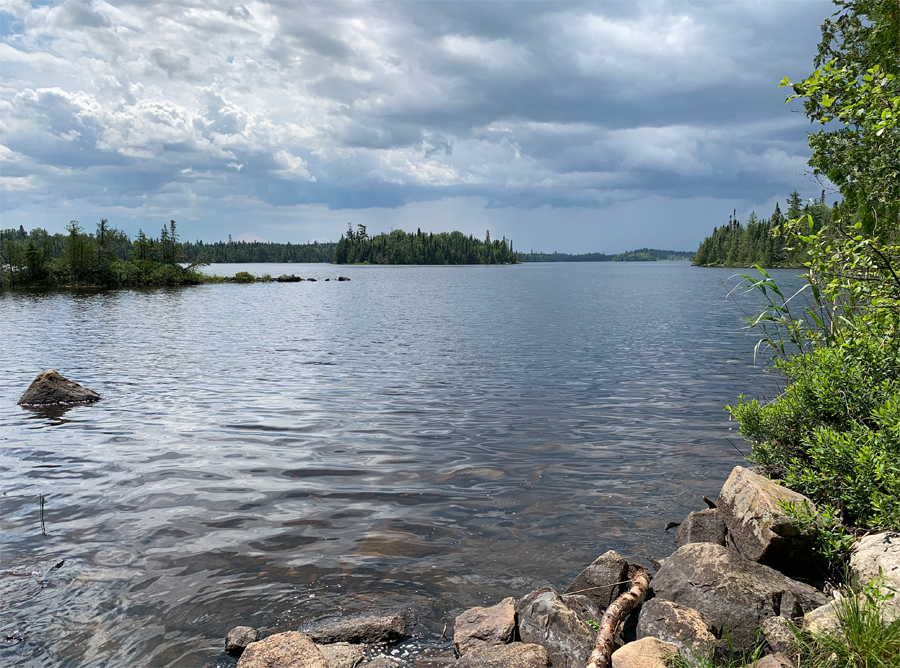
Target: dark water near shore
(268, 453)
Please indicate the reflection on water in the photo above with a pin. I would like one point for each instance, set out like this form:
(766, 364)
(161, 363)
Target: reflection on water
(268, 453)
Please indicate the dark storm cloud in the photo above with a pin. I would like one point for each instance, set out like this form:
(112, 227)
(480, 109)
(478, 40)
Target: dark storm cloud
(523, 105)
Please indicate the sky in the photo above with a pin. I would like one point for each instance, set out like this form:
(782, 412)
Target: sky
(572, 127)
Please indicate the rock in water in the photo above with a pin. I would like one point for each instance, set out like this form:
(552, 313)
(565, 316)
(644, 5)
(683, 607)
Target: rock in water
(238, 638)
(51, 389)
(485, 626)
(602, 580)
(363, 628)
(283, 650)
(341, 655)
(515, 655)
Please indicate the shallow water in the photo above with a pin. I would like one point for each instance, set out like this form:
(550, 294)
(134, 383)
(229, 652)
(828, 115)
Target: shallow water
(269, 453)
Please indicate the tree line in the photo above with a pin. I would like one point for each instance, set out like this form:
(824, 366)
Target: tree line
(257, 251)
(399, 247)
(106, 257)
(762, 241)
(638, 255)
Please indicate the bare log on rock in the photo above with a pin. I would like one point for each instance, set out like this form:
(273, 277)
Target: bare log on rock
(615, 614)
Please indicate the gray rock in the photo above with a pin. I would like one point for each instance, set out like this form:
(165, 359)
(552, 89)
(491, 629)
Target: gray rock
(515, 655)
(772, 661)
(382, 662)
(778, 634)
(752, 509)
(288, 278)
(343, 278)
(51, 389)
(643, 653)
(601, 581)
(546, 620)
(731, 593)
(495, 625)
(364, 628)
(311, 279)
(677, 624)
(705, 526)
(878, 551)
(824, 619)
(283, 650)
(238, 638)
(341, 655)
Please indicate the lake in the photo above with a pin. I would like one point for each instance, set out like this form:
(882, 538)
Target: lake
(265, 454)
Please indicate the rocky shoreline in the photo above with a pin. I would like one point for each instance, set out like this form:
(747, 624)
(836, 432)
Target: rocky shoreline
(743, 570)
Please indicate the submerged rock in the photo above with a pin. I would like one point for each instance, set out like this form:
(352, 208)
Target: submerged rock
(733, 594)
(283, 650)
(238, 638)
(51, 389)
(479, 626)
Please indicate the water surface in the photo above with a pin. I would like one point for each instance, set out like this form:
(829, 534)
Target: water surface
(268, 453)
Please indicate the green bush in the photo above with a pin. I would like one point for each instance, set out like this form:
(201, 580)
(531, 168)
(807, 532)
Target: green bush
(244, 277)
(834, 434)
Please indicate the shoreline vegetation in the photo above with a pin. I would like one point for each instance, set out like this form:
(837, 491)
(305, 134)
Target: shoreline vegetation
(109, 258)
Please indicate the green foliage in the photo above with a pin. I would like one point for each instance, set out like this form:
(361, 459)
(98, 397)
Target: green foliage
(722, 656)
(864, 638)
(399, 247)
(244, 277)
(762, 241)
(637, 255)
(833, 540)
(256, 251)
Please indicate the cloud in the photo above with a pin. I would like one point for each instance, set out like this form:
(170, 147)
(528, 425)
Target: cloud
(146, 108)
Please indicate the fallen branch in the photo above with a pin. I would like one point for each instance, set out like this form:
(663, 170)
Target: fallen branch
(615, 614)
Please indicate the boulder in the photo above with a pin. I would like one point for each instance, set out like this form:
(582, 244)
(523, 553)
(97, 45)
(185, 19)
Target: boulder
(515, 655)
(602, 580)
(238, 638)
(778, 634)
(752, 509)
(288, 278)
(364, 628)
(343, 278)
(546, 620)
(283, 650)
(677, 624)
(874, 552)
(382, 662)
(311, 279)
(341, 655)
(772, 661)
(643, 653)
(705, 526)
(732, 594)
(824, 619)
(495, 625)
(51, 389)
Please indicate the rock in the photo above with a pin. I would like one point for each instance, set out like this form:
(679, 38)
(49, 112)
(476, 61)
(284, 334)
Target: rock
(288, 278)
(751, 507)
(677, 624)
(341, 655)
(601, 581)
(343, 278)
(778, 634)
(824, 619)
(705, 526)
(878, 551)
(546, 620)
(311, 279)
(515, 655)
(643, 653)
(772, 661)
(364, 628)
(51, 389)
(382, 662)
(238, 638)
(283, 650)
(731, 593)
(485, 626)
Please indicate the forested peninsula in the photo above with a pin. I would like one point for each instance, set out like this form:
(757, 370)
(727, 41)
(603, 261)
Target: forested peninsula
(762, 241)
(638, 255)
(399, 247)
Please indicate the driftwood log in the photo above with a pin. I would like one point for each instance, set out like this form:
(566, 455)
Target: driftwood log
(615, 614)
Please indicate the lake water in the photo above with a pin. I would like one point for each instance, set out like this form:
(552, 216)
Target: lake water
(269, 453)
